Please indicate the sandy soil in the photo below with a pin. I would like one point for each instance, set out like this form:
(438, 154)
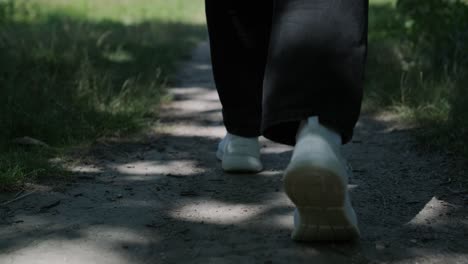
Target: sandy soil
(163, 198)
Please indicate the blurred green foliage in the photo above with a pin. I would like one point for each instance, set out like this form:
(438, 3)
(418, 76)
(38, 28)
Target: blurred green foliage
(440, 30)
(418, 66)
(75, 71)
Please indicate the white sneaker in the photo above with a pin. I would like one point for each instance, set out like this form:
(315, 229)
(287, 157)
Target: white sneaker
(316, 181)
(239, 154)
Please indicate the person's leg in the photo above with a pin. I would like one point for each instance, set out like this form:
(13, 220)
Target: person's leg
(312, 99)
(315, 66)
(239, 32)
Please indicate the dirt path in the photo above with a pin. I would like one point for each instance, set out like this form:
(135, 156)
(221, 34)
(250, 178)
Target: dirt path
(164, 199)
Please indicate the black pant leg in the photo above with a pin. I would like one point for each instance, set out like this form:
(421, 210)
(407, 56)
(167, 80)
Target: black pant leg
(239, 32)
(315, 66)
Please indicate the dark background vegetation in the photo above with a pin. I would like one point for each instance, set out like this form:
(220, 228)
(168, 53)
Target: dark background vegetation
(68, 79)
(418, 67)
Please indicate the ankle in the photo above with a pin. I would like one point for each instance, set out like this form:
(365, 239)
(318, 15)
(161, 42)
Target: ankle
(230, 136)
(313, 123)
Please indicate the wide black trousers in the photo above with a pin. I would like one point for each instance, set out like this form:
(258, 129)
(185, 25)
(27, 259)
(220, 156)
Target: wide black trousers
(277, 62)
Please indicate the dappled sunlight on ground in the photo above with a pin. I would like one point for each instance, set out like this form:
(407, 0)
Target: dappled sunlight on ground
(215, 212)
(431, 212)
(145, 168)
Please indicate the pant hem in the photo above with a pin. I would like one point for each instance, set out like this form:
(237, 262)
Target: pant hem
(283, 128)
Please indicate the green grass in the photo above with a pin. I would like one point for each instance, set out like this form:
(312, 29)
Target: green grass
(418, 67)
(74, 71)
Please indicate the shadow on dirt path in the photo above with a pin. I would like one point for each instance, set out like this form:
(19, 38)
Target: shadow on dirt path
(163, 199)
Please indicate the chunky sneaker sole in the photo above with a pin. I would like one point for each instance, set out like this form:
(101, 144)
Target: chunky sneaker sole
(316, 182)
(238, 163)
(324, 210)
